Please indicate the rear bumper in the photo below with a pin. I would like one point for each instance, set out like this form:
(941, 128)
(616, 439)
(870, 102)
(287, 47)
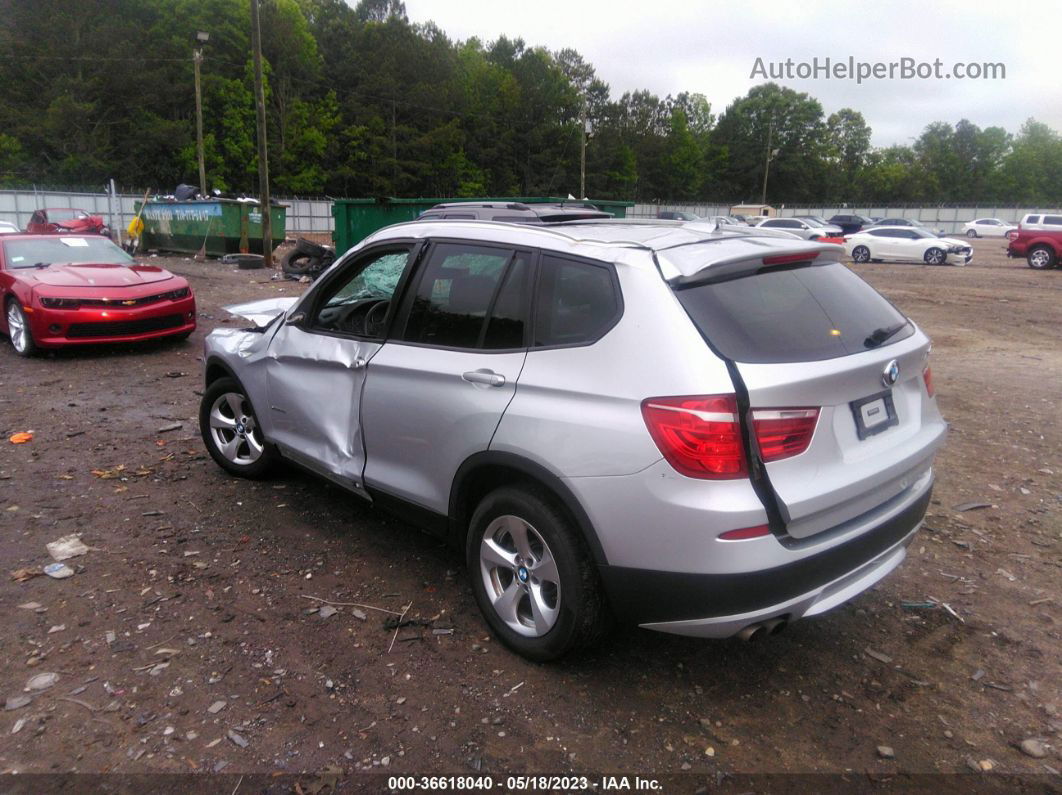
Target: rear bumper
(720, 605)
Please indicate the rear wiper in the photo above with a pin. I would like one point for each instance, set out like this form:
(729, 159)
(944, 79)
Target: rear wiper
(41, 265)
(879, 335)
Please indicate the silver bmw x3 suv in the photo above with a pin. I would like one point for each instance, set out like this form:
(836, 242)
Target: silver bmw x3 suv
(705, 432)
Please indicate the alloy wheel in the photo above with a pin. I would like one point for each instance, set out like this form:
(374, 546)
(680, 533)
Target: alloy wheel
(16, 327)
(234, 429)
(520, 576)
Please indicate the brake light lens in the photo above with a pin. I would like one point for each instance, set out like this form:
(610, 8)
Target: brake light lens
(700, 436)
(784, 433)
(927, 376)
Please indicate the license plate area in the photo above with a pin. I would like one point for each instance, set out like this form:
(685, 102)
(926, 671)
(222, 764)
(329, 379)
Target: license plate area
(874, 414)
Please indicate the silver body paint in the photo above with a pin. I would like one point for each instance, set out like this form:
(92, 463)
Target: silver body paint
(401, 418)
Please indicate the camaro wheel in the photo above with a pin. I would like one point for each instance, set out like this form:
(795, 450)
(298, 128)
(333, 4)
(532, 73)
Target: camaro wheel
(532, 576)
(861, 254)
(1041, 258)
(935, 256)
(230, 430)
(18, 330)
(971, 233)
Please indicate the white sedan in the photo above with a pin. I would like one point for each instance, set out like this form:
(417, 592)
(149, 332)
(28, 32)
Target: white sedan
(9, 229)
(988, 227)
(906, 244)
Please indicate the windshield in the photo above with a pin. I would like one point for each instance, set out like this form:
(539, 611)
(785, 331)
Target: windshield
(66, 215)
(811, 220)
(44, 251)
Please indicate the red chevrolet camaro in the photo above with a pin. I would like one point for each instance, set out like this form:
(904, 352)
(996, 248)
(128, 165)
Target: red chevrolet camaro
(60, 290)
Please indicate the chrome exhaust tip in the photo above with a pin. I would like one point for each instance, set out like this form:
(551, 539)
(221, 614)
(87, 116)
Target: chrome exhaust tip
(775, 625)
(753, 632)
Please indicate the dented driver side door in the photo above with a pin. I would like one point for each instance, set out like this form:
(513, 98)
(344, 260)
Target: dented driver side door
(317, 363)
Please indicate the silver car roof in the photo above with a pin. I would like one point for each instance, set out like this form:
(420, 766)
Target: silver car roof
(682, 249)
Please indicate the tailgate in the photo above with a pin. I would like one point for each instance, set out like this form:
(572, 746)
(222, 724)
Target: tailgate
(872, 441)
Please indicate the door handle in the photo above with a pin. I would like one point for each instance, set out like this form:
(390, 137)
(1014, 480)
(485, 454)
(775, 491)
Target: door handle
(487, 377)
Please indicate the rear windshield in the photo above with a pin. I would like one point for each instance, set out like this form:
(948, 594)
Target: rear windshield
(799, 314)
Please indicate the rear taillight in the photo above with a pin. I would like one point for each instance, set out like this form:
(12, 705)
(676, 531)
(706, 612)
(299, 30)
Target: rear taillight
(783, 433)
(927, 376)
(700, 436)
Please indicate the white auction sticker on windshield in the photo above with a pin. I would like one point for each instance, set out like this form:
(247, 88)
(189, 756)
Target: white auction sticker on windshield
(76, 242)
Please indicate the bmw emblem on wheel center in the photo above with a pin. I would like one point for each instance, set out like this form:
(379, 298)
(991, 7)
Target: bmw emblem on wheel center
(521, 574)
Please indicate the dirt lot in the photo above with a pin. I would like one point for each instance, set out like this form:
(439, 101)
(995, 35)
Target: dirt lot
(186, 641)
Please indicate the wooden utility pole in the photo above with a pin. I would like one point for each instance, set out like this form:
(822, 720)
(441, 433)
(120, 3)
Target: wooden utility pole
(263, 147)
(197, 59)
(767, 161)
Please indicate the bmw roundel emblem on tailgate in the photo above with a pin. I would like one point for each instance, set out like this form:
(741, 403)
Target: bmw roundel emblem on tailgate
(891, 374)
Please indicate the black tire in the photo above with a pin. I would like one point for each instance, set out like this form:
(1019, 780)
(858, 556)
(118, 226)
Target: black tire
(1041, 258)
(247, 467)
(861, 254)
(581, 612)
(298, 263)
(935, 256)
(28, 346)
(971, 233)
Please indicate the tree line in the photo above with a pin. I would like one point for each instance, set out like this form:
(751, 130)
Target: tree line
(363, 102)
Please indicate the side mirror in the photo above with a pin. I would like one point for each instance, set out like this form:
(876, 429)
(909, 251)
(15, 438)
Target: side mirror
(295, 319)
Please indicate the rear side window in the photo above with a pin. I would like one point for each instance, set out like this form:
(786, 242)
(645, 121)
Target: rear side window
(463, 285)
(1054, 220)
(576, 302)
(797, 314)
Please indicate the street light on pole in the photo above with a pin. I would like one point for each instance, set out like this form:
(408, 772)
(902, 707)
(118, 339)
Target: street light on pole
(201, 38)
(771, 154)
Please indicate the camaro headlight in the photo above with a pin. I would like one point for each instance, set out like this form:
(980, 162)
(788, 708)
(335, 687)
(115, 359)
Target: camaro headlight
(60, 303)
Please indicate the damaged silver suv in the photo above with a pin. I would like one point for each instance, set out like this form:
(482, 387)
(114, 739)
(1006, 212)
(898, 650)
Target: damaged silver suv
(703, 432)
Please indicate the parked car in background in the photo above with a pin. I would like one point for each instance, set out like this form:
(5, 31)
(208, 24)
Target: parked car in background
(681, 437)
(63, 290)
(829, 230)
(850, 224)
(744, 219)
(913, 223)
(66, 220)
(512, 212)
(906, 244)
(1040, 221)
(808, 230)
(988, 227)
(1041, 247)
(677, 215)
(9, 229)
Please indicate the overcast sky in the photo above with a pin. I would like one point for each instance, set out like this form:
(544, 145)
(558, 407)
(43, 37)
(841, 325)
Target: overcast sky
(711, 48)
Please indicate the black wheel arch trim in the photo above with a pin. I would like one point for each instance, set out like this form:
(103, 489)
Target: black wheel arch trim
(535, 472)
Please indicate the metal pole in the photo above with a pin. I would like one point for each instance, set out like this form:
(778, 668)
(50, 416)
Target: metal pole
(582, 152)
(263, 148)
(197, 58)
(767, 162)
(112, 204)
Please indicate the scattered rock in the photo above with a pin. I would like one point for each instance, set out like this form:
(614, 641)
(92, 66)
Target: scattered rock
(173, 426)
(41, 681)
(237, 739)
(1034, 748)
(17, 702)
(972, 506)
(327, 611)
(886, 752)
(216, 707)
(879, 656)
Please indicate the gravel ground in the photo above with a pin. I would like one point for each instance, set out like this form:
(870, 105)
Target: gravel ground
(190, 639)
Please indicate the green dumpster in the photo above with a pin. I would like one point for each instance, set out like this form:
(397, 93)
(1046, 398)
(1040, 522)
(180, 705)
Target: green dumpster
(227, 226)
(358, 218)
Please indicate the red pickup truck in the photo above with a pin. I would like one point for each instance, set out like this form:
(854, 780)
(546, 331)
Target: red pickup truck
(1042, 248)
